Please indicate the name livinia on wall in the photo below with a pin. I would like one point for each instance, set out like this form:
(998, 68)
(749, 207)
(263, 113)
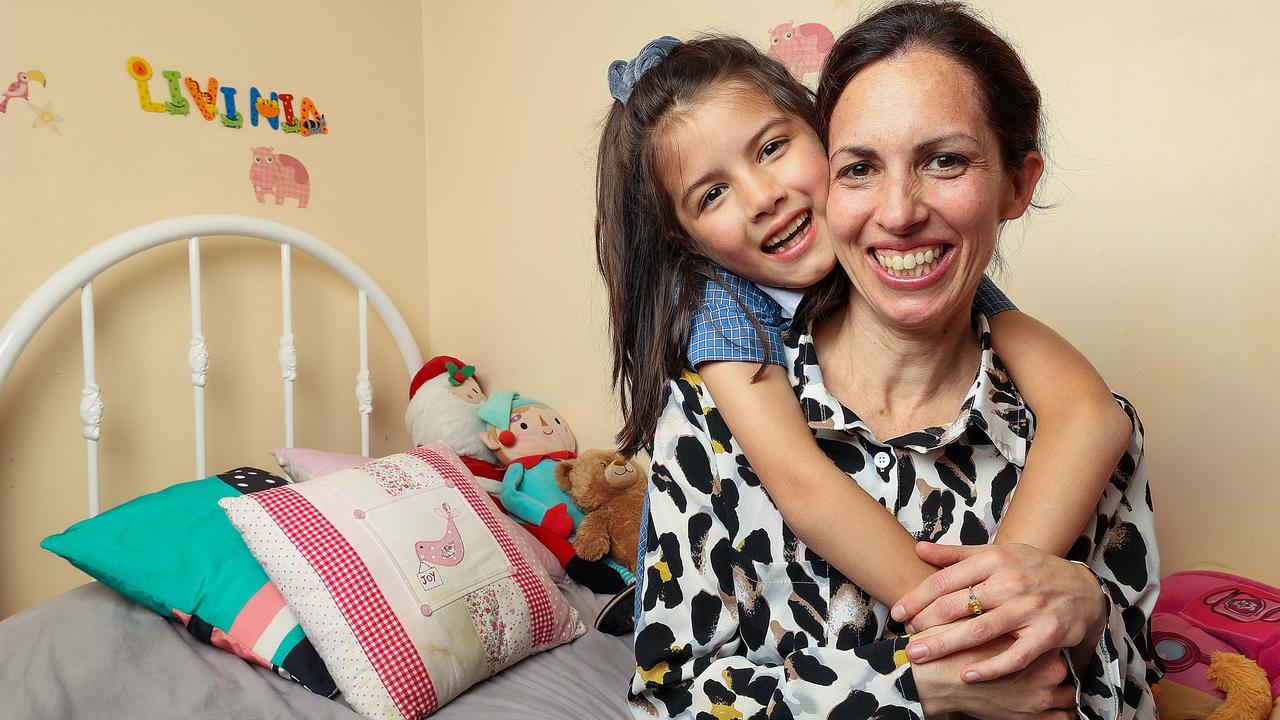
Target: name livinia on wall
(306, 122)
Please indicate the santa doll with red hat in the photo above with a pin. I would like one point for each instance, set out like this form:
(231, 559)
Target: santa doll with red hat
(444, 404)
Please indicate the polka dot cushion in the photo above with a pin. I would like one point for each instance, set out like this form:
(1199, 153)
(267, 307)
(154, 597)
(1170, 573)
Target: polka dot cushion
(175, 552)
(410, 582)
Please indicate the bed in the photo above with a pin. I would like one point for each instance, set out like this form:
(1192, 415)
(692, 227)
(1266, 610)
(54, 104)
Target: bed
(92, 653)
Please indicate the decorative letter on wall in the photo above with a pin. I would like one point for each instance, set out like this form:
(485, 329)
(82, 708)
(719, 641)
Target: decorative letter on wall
(140, 70)
(206, 102)
(176, 105)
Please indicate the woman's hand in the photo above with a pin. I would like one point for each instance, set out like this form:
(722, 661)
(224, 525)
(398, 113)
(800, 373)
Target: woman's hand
(1042, 601)
(1035, 692)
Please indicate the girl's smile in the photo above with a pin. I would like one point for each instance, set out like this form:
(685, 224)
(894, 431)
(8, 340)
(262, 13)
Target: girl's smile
(749, 185)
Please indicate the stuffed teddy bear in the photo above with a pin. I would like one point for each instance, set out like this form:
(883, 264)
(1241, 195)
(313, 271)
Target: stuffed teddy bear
(609, 489)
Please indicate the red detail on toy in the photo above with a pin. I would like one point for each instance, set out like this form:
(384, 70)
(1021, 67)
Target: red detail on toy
(557, 520)
(530, 460)
(483, 468)
(460, 377)
(507, 438)
(432, 368)
(1200, 612)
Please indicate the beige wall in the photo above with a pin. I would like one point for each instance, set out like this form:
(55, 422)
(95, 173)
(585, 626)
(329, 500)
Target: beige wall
(113, 167)
(1157, 263)
(1162, 140)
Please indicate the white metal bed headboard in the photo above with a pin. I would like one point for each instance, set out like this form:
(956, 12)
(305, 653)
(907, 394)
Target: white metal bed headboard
(80, 273)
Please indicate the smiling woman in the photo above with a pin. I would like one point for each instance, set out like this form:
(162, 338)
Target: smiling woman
(932, 126)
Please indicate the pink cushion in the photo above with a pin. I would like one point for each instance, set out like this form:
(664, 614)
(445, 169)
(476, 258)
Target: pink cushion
(302, 464)
(410, 583)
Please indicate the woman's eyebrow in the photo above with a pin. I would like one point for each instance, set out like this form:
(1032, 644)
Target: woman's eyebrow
(942, 139)
(854, 151)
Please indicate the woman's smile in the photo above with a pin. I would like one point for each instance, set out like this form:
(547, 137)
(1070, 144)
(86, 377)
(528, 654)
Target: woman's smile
(918, 266)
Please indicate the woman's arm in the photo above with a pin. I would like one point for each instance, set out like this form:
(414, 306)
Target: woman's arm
(827, 510)
(1080, 434)
(1116, 672)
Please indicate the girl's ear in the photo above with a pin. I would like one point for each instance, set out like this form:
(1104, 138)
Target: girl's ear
(1022, 186)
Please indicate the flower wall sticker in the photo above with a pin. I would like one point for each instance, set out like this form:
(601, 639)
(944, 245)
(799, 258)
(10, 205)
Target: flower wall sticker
(45, 117)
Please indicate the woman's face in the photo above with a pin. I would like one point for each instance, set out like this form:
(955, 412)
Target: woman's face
(918, 189)
(749, 185)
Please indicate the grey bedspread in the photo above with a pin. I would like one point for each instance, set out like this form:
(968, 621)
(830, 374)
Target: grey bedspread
(92, 654)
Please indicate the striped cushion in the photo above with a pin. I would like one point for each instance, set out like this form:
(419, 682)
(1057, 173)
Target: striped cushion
(410, 582)
(174, 552)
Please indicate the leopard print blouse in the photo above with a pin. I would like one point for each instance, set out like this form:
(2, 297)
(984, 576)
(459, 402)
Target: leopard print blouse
(740, 619)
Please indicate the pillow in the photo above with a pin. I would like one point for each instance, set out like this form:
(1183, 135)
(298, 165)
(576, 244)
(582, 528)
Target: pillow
(174, 551)
(302, 464)
(411, 584)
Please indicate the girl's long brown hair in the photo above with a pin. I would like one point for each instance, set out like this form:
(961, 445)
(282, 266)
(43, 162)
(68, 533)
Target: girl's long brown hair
(653, 271)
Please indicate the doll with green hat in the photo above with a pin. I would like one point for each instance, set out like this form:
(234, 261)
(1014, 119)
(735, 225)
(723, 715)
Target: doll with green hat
(530, 439)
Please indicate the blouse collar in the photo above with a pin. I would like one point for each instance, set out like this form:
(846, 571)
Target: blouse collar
(992, 410)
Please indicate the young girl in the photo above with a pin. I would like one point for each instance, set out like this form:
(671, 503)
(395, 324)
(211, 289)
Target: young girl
(711, 193)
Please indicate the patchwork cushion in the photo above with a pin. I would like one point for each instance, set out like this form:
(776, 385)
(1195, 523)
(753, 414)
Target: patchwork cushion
(174, 551)
(302, 464)
(410, 582)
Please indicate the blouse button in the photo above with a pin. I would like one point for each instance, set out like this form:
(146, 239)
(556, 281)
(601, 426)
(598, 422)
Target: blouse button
(883, 460)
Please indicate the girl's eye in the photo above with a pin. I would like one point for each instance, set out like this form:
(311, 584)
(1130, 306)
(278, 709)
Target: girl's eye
(524, 426)
(947, 164)
(557, 421)
(772, 147)
(712, 195)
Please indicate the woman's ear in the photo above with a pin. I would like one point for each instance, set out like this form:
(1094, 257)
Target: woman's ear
(1022, 186)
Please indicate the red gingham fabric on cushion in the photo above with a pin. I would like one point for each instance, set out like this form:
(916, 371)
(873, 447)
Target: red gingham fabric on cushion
(411, 591)
(344, 574)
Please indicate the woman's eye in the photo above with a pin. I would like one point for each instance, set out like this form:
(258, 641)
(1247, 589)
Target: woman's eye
(712, 195)
(856, 171)
(947, 164)
(772, 147)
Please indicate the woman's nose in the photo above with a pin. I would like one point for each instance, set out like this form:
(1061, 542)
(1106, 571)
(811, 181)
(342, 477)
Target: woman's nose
(900, 209)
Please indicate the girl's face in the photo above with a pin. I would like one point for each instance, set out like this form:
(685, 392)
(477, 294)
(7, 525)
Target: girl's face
(918, 189)
(749, 186)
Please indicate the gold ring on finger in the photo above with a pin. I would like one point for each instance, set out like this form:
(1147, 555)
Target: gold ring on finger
(974, 606)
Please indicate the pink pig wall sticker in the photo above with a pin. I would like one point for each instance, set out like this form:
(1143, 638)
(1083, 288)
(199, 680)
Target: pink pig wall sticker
(448, 550)
(801, 48)
(280, 175)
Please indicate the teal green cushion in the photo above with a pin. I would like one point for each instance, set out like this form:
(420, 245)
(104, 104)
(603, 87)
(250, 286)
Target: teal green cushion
(175, 552)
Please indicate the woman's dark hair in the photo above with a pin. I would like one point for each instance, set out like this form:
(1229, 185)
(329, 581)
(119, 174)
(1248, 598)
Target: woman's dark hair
(1008, 98)
(652, 269)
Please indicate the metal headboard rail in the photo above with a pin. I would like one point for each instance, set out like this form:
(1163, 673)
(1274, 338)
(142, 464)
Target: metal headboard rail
(80, 273)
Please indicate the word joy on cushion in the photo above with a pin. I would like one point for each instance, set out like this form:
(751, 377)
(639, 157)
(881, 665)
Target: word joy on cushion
(406, 577)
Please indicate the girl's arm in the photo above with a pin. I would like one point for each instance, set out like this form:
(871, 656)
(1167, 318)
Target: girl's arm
(1081, 432)
(828, 512)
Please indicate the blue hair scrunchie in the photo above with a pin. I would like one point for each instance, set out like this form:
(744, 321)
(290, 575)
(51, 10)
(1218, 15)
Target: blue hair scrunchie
(623, 75)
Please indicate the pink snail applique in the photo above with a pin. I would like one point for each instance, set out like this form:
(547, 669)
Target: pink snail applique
(448, 550)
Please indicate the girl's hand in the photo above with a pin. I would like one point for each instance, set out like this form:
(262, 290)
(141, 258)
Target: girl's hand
(1034, 693)
(1042, 601)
